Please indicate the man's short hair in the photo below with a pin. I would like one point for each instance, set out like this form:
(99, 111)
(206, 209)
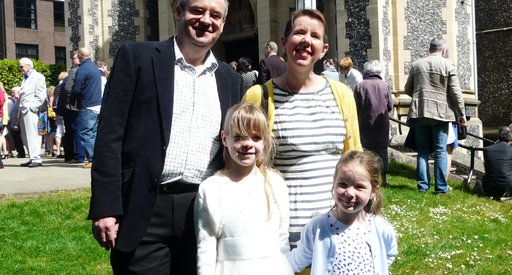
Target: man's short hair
(437, 44)
(505, 134)
(27, 61)
(272, 45)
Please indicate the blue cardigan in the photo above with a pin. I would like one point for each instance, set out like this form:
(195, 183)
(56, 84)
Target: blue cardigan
(317, 248)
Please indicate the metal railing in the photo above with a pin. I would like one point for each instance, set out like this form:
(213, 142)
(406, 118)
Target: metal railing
(471, 148)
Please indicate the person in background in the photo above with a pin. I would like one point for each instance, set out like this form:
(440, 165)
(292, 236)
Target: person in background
(253, 238)
(497, 181)
(352, 238)
(249, 76)
(2, 115)
(103, 67)
(313, 120)
(69, 106)
(14, 125)
(32, 100)
(158, 138)
(233, 65)
(59, 120)
(437, 100)
(87, 88)
(348, 74)
(49, 138)
(452, 142)
(330, 69)
(374, 102)
(272, 65)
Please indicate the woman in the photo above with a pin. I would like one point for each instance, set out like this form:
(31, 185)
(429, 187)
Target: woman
(249, 76)
(314, 120)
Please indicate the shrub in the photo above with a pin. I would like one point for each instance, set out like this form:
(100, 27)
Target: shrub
(10, 74)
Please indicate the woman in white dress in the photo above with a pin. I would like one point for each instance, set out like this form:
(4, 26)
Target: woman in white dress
(242, 212)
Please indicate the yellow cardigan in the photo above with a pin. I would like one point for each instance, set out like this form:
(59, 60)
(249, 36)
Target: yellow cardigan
(343, 97)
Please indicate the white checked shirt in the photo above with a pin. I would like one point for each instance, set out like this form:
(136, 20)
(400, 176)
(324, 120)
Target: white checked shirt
(196, 122)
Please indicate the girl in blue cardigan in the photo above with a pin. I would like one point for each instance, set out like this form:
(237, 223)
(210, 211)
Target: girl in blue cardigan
(351, 238)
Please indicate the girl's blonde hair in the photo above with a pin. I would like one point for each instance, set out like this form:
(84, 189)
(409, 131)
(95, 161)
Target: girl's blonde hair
(246, 119)
(373, 165)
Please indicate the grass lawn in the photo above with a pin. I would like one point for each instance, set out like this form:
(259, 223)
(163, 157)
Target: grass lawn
(454, 234)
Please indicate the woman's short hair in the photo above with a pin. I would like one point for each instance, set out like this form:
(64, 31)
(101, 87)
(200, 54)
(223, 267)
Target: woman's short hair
(314, 14)
(345, 63)
(372, 67)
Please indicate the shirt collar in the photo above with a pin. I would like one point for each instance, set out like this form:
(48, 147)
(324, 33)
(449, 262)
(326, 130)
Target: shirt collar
(210, 64)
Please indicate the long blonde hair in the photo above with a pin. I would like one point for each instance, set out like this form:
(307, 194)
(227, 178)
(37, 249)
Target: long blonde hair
(246, 119)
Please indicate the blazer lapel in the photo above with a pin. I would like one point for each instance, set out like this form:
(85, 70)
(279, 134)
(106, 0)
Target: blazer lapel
(163, 68)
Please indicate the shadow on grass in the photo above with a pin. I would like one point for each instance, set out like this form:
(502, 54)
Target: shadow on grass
(402, 170)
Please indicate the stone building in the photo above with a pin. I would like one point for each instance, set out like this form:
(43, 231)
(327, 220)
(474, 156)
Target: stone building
(393, 32)
(494, 45)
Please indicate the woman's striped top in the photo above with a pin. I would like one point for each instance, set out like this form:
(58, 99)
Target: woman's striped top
(310, 133)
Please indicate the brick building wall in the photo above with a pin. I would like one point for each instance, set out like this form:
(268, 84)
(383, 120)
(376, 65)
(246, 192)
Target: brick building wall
(46, 36)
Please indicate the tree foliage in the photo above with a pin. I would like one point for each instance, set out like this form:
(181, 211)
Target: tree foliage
(10, 74)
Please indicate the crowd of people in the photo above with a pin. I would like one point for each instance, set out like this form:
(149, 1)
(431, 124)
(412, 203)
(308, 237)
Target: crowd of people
(56, 121)
(204, 167)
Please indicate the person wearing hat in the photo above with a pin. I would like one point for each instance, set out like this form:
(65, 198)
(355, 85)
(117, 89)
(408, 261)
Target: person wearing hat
(437, 100)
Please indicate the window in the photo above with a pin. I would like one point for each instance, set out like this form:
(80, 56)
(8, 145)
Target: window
(25, 14)
(58, 14)
(26, 50)
(60, 55)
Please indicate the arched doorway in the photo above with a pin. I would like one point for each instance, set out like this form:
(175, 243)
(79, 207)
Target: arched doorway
(240, 35)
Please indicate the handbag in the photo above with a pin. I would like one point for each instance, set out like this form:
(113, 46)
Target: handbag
(51, 113)
(462, 132)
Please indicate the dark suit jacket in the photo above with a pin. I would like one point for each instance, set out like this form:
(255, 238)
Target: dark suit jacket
(271, 67)
(498, 169)
(133, 133)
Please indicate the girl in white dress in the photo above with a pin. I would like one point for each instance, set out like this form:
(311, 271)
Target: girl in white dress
(242, 211)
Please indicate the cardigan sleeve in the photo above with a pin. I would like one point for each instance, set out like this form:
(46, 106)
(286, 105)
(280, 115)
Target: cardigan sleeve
(302, 256)
(347, 105)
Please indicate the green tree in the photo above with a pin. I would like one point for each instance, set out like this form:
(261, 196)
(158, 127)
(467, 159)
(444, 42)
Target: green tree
(10, 74)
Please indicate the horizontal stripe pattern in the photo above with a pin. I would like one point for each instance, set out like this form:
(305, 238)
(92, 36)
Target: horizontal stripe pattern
(309, 132)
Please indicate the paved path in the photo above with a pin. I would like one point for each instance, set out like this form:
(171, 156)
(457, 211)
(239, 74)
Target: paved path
(54, 175)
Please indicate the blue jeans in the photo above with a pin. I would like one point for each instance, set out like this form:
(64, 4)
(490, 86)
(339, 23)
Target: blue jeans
(431, 133)
(88, 125)
(72, 117)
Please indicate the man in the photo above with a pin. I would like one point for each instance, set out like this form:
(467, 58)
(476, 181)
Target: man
(348, 75)
(32, 99)
(68, 103)
(87, 87)
(497, 181)
(374, 102)
(272, 65)
(158, 138)
(436, 100)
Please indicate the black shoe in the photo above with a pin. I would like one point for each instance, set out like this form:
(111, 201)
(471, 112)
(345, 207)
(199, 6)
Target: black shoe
(35, 164)
(26, 164)
(20, 156)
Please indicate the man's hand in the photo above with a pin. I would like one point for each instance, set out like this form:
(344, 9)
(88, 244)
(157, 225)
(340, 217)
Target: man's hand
(105, 231)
